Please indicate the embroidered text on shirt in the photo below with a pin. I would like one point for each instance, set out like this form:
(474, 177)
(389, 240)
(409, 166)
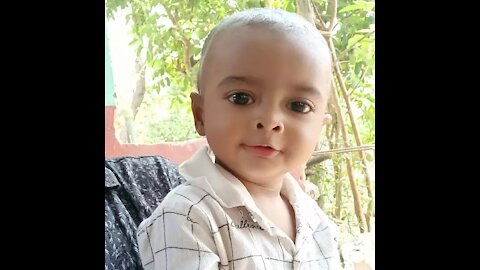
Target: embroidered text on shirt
(245, 224)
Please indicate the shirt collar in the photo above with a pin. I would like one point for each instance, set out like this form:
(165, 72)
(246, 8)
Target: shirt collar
(202, 171)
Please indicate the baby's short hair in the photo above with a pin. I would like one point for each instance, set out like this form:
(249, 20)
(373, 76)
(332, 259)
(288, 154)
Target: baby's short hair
(276, 19)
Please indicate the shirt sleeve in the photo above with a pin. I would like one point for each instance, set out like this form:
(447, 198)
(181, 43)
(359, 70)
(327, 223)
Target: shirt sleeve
(177, 239)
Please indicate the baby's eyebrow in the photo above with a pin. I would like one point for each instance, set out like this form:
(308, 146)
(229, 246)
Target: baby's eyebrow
(309, 90)
(243, 79)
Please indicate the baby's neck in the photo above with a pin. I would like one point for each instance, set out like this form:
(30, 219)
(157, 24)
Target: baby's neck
(264, 191)
(274, 206)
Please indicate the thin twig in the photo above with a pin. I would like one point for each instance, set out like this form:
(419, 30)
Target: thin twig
(332, 6)
(345, 150)
(340, 55)
(319, 16)
(357, 204)
(343, 88)
(362, 76)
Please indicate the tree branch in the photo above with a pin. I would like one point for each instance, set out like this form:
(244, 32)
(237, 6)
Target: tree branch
(343, 89)
(319, 18)
(185, 42)
(332, 6)
(318, 159)
(304, 8)
(345, 150)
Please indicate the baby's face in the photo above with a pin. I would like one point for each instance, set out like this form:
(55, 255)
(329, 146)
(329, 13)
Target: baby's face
(263, 100)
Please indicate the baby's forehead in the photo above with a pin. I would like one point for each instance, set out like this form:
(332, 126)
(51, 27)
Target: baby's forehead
(265, 19)
(257, 36)
(266, 55)
(239, 33)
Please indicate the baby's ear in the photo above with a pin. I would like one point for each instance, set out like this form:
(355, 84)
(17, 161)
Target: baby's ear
(197, 110)
(327, 119)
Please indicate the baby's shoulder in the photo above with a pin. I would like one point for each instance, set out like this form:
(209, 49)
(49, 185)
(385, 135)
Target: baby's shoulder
(184, 194)
(190, 200)
(186, 204)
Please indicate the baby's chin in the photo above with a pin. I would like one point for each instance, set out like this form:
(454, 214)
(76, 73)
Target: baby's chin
(260, 175)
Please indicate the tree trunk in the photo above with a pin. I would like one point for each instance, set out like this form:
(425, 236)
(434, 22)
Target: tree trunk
(139, 93)
(305, 8)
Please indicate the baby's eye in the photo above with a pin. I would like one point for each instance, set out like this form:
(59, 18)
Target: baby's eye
(301, 107)
(240, 98)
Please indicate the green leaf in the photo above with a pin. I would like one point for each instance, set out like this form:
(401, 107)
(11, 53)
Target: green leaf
(354, 39)
(358, 5)
(289, 6)
(149, 56)
(133, 42)
(139, 49)
(364, 31)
